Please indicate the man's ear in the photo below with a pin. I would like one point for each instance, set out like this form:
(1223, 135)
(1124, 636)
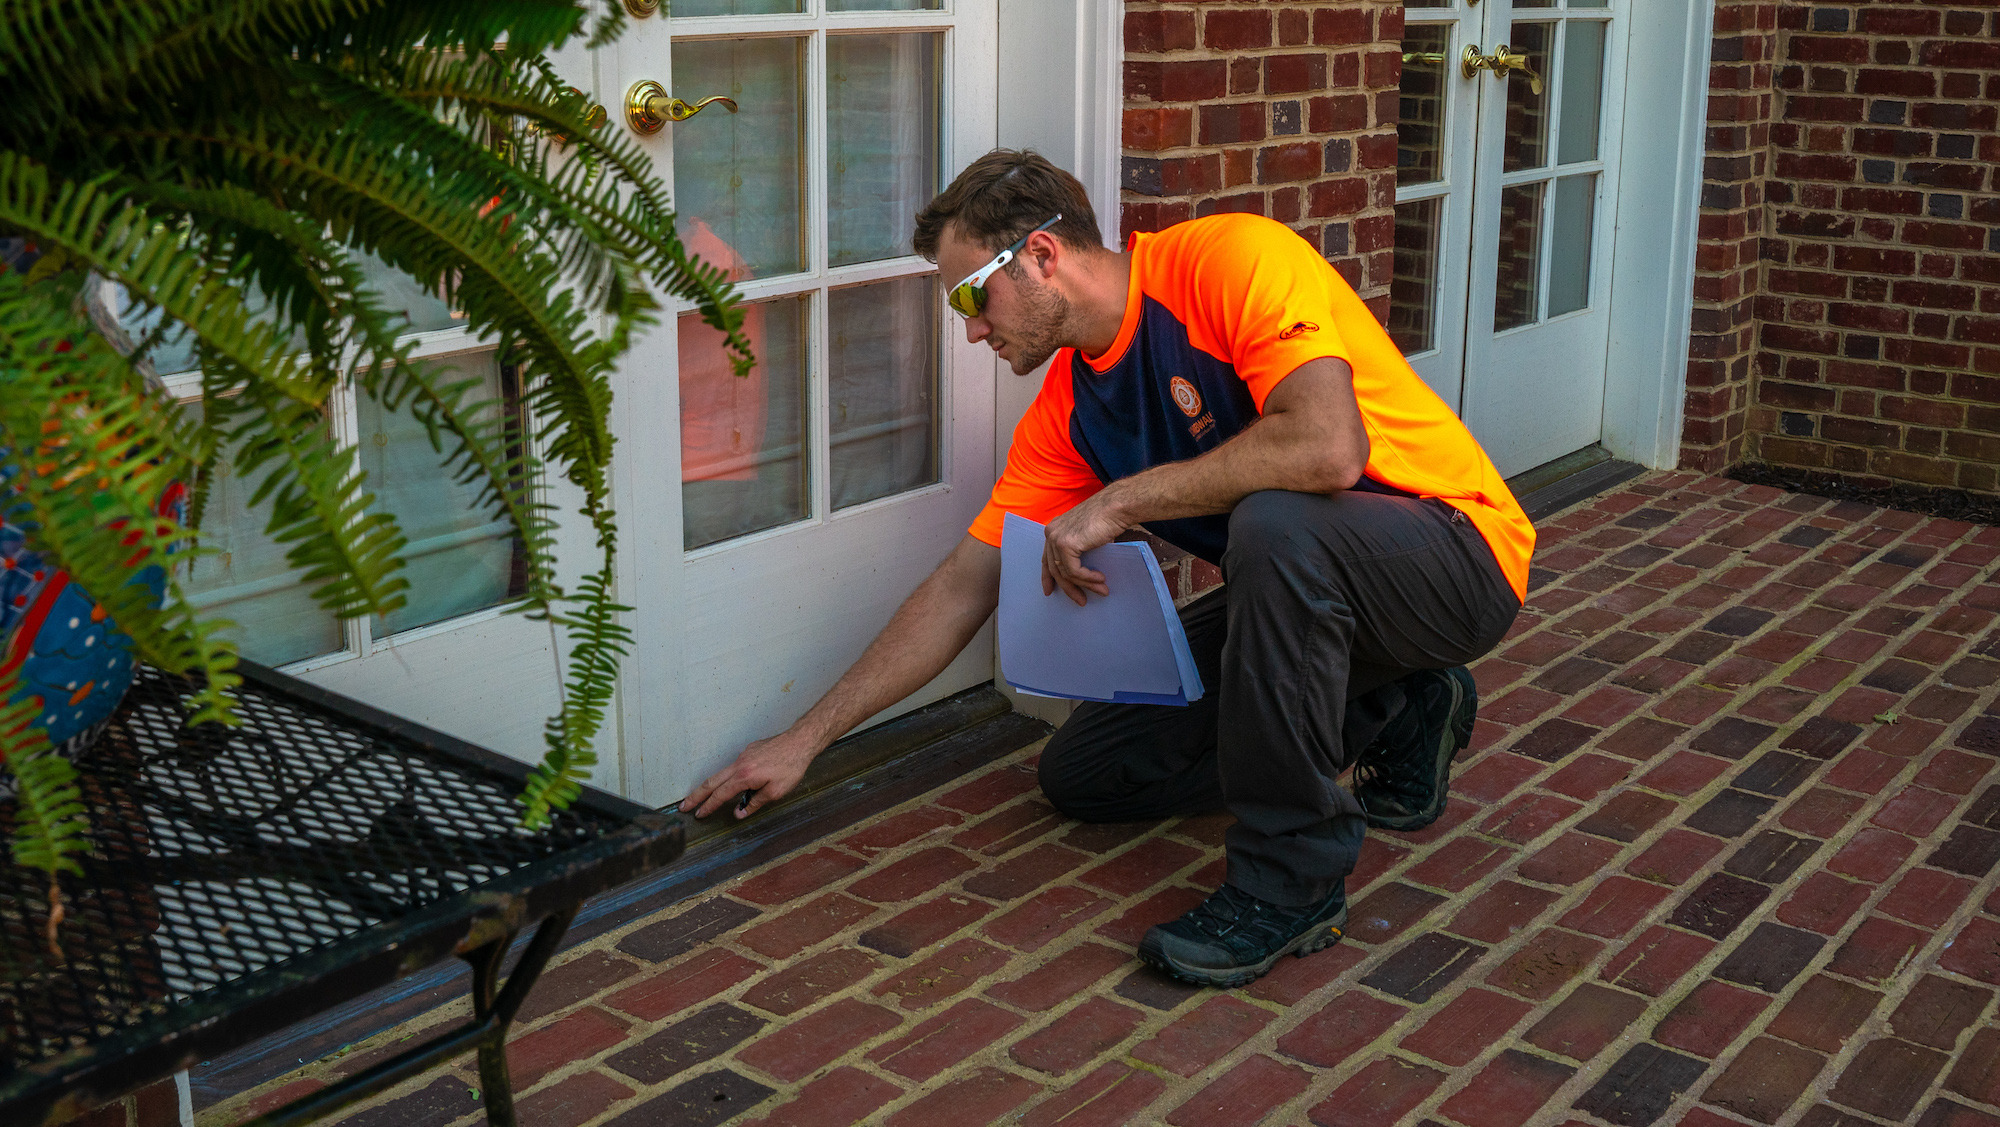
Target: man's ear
(1043, 254)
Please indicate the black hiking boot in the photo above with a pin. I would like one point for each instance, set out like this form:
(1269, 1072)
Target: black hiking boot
(1232, 938)
(1403, 778)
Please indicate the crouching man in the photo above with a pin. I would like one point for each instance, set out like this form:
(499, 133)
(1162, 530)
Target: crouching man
(1220, 384)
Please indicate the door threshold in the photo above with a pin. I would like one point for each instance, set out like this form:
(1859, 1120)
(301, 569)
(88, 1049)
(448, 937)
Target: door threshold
(1554, 486)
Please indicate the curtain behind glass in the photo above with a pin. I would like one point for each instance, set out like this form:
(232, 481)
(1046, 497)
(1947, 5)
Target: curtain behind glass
(459, 559)
(743, 174)
(882, 114)
(744, 463)
(245, 579)
(882, 388)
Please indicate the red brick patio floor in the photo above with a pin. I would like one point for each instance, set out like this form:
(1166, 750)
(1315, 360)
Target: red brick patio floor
(1723, 851)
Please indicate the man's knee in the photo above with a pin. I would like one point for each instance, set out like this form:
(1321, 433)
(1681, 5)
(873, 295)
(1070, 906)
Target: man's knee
(1061, 783)
(1267, 526)
(1093, 774)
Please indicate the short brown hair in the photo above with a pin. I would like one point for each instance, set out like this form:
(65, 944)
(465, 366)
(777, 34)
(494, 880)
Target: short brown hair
(1004, 195)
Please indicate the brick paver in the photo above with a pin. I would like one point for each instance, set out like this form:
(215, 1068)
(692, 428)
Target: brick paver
(1723, 851)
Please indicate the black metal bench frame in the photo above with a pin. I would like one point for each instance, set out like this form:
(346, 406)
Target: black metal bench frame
(149, 1032)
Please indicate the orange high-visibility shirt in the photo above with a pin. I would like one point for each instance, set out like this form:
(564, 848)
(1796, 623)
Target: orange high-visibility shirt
(1219, 311)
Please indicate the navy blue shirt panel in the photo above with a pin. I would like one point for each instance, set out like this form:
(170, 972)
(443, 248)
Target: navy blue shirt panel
(1132, 417)
(1163, 401)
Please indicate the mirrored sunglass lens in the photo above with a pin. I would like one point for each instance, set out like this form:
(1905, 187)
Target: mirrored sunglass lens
(968, 299)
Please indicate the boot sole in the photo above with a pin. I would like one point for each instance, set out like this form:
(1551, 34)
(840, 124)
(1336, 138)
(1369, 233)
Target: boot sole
(1457, 735)
(1314, 939)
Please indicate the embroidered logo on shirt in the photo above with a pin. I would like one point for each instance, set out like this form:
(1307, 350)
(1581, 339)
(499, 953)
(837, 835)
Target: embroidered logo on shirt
(1185, 396)
(1295, 330)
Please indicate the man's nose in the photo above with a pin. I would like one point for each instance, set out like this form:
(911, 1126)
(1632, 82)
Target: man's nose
(976, 330)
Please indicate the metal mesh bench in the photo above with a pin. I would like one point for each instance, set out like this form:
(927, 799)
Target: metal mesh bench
(244, 878)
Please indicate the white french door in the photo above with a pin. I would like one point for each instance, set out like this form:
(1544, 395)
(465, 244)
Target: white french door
(773, 522)
(1505, 215)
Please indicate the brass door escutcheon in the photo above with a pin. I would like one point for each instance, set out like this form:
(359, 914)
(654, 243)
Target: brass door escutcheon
(648, 106)
(1499, 62)
(594, 116)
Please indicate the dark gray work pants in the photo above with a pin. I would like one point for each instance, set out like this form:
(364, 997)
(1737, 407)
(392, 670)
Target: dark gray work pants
(1327, 602)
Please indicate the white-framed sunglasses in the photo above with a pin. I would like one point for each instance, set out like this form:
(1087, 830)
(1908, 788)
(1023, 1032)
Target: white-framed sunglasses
(968, 298)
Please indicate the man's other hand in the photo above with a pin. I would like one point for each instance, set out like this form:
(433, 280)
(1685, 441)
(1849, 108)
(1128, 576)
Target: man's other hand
(769, 769)
(1092, 524)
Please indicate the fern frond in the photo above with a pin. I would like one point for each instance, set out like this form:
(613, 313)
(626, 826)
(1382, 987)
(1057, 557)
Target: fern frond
(50, 829)
(126, 242)
(430, 227)
(320, 506)
(229, 163)
(499, 463)
(597, 643)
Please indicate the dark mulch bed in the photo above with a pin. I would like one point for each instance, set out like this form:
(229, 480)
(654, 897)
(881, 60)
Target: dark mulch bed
(1952, 504)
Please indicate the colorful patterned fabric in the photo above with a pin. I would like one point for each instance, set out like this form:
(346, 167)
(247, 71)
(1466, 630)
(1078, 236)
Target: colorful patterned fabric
(54, 637)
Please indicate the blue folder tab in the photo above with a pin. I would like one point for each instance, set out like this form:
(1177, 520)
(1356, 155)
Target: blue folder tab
(1125, 648)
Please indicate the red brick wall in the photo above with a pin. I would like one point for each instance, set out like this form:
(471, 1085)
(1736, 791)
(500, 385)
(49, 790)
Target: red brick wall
(1286, 110)
(1728, 262)
(1847, 288)
(1878, 349)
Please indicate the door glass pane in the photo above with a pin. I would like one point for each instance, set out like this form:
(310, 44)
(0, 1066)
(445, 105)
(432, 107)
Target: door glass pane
(1520, 252)
(173, 352)
(400, 293)
(1534, 3)
(244, 578)
(883, 5)
(743, 466)
(1413, 288)
(681, 9)
(743, 174)
(1582, 90)
(459, 558)
(882, 110)
(882, 363)
(1527, 112)
(1420, 133)
(1569, 243)
(1426, 3)
(1590, 3)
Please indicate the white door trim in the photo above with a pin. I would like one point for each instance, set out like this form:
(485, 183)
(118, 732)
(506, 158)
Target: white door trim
(1075, 117)
(1100, 112)
(1652, 272)
(1071, 114)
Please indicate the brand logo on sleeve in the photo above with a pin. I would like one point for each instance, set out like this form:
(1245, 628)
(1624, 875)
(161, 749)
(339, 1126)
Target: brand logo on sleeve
(1185, 396)
(1295, 330)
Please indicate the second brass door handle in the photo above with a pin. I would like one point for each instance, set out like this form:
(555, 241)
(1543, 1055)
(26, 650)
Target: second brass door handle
(1499, 62)
(648, 106)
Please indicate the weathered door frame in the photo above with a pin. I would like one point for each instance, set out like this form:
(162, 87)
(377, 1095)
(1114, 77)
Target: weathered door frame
(1652, 280)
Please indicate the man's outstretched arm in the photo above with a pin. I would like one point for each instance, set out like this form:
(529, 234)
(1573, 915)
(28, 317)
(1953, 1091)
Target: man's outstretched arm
(923, 637)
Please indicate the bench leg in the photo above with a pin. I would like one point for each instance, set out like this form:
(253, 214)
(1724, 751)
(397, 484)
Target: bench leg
(494, 1006)
(497, 1004)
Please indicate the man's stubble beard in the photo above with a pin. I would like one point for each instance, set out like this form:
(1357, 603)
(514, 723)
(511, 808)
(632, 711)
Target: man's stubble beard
(1045, 316)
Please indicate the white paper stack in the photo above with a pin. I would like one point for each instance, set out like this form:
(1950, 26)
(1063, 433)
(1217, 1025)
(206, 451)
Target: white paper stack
(1126, 648)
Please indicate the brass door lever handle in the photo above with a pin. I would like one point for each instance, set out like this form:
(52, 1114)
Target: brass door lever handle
(648, 106)
(1500, 63)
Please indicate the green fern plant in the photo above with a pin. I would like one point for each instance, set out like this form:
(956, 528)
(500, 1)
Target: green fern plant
(229, 162)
